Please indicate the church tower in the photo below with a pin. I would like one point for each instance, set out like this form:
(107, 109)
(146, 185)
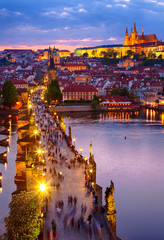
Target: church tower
(52, 70)
(110, 204)
(134, 37)
(126, 39)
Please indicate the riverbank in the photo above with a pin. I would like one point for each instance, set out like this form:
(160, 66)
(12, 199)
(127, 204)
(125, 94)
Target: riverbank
(88, 108)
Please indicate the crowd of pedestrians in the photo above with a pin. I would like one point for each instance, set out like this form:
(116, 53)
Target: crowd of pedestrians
(74, 215)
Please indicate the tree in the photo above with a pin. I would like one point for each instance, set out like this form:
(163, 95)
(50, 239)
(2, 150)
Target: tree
(110, 53)
(94, 53)
(95, 102)
(103, 54)
(9, 93)
(23, 220)
(53, 92)
(124, 92)
(130, 53)
(85, 55)
(143, 55)
(160, 56)
(116, 91)
(151, 55)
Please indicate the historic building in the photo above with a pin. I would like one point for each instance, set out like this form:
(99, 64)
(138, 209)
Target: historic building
(133, 42)
(79, 91)
(53, 61)
(134, 38)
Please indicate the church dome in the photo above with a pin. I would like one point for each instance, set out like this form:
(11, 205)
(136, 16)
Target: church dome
(55, 54)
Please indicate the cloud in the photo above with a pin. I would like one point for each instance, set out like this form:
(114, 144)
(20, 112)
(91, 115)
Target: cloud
(121, 5)
(6, 12)
(158, 2)
(82, 10)
(28, 28)
(109, 5)
(112, 39)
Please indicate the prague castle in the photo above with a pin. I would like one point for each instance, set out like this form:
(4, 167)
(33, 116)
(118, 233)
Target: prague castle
(134, 38)
(136, 43)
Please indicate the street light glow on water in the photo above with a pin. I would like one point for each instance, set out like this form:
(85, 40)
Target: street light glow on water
(135, 164)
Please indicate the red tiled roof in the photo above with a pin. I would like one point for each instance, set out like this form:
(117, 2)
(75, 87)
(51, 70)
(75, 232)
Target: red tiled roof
(79, 88)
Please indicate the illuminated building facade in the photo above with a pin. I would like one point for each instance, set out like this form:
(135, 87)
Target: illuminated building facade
(134, 38)
(135, 42)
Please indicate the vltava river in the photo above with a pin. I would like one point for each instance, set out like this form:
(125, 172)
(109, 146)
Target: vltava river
(135, 164)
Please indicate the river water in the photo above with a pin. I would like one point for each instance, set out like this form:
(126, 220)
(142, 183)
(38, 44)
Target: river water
(8, 173)
(134, 164)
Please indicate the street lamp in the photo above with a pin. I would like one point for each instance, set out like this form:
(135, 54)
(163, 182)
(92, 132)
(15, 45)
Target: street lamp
(42, 187)
(74, 139)
(81, 151)
(36, 133)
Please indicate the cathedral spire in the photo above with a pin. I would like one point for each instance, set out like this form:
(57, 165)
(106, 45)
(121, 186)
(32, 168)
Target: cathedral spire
(142, 31)
(134, 29)
(126, 30)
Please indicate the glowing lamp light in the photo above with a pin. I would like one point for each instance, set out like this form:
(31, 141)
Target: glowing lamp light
(42, 187)
(1, 189)
(91, 170)
(39, 151)
(81, 150)
(0, 176)
(36, 132)
(4, 154)
(30, 106)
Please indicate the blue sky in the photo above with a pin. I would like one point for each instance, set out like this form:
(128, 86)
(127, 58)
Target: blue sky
(76, 22)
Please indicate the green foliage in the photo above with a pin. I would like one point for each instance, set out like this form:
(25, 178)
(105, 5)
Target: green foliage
(9, 93)
(53, 92)
(111, 53)
(103, 54)
(23, 220)
(95, 102)
(152, 62)
(151, 55)
(94, 52)
(160, 56)
(116, 91)
(85, 54)
(130, 53)
(122, 92)
(134, 97)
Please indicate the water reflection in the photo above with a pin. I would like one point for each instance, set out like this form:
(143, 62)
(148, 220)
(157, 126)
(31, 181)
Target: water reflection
(136, 165)
(8, 167)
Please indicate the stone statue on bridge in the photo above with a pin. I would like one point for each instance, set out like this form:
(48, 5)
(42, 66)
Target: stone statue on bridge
(110, 205)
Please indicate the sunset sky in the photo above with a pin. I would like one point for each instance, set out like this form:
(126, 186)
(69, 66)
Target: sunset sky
(75, 23)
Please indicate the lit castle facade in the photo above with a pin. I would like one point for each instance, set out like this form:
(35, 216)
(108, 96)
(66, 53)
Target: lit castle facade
(134, 38)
